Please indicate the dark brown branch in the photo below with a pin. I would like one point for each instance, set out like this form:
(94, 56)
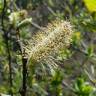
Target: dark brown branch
(24, 66)
(24, 60)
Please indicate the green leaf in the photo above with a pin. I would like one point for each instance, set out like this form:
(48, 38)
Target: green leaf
(25, 22)
(91, 5)
(90, 51)
(1, 5)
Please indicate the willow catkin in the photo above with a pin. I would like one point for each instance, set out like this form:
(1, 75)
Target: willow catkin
(56, 35)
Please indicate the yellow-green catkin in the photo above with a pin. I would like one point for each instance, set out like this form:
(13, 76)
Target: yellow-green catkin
(56, 35)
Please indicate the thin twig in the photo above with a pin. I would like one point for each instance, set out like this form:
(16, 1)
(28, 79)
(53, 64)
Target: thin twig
(69, 87)
(37, 26)
(7, 45)
(90, 77)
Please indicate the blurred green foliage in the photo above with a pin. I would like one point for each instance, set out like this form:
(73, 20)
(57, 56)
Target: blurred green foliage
(43, 79)
(83, 88)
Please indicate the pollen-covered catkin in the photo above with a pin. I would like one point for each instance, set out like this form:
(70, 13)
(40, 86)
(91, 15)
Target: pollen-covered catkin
(56, 35)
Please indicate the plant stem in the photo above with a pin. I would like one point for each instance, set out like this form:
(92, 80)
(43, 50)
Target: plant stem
(24, 66)
(24, 72)
(7, 45)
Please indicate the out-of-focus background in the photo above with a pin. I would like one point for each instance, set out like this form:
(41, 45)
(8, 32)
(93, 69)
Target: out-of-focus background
(75, 74)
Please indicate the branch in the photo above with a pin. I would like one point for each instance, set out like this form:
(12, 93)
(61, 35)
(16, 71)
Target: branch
(7, 45)
(24, 66)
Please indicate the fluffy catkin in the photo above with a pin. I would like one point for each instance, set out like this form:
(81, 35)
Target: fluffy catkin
(56, 35)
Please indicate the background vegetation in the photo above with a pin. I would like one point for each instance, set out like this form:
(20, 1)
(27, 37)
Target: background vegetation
(75, 70)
